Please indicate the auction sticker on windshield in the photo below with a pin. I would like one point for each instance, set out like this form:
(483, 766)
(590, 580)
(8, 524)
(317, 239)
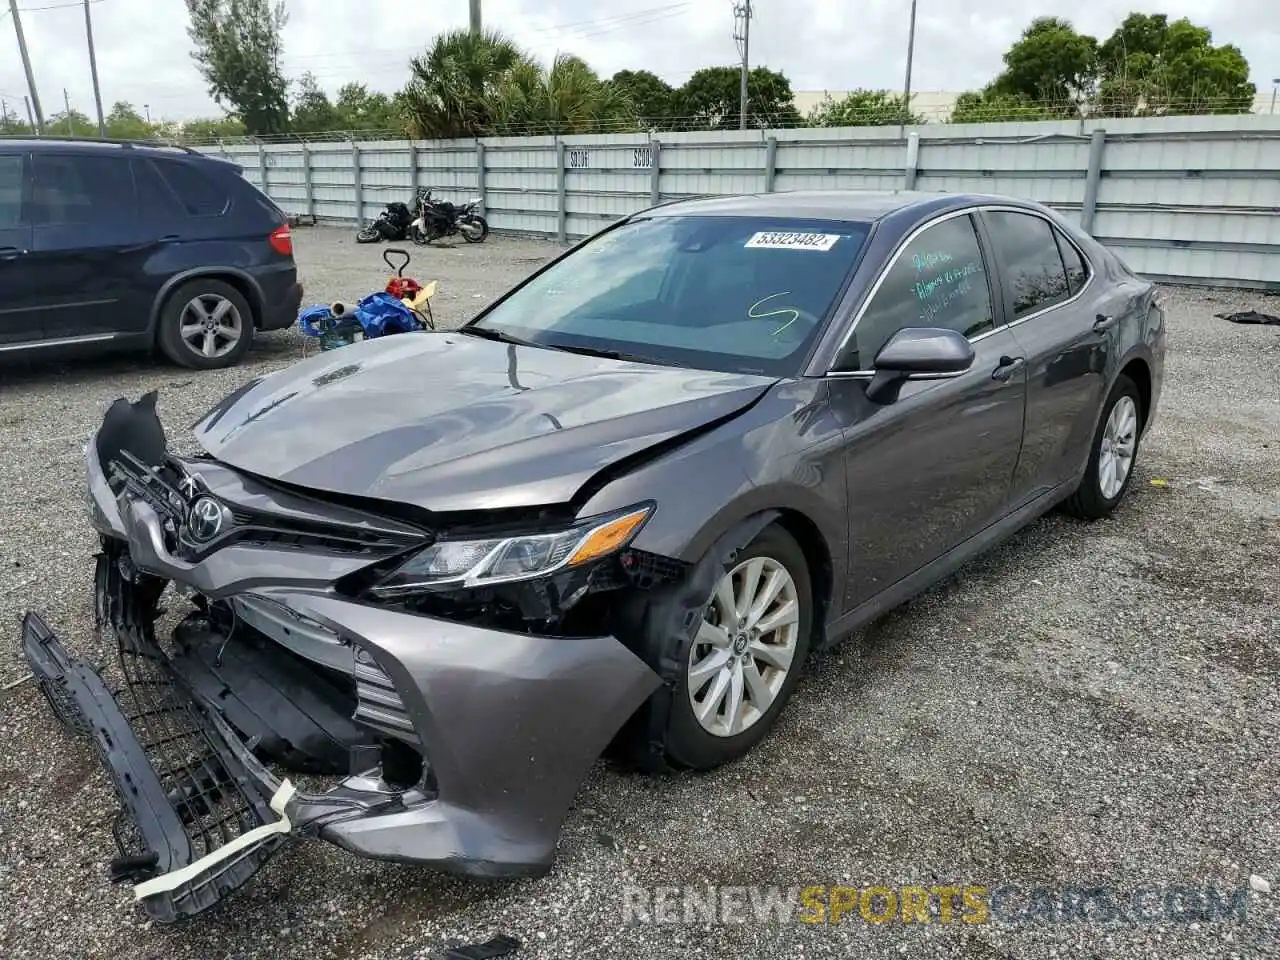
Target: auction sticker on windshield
(793, 241)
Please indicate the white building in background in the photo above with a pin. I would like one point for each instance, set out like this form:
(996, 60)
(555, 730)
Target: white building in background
(936, 106)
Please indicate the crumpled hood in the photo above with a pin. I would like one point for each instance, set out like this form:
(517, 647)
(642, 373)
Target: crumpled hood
(448, 421)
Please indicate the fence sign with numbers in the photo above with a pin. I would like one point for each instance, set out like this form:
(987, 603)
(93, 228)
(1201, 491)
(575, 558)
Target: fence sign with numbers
(642, 158)
(579, 158)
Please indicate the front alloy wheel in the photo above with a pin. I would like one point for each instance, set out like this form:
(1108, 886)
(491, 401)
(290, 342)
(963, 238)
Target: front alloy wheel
(745, 647)
(735, 653)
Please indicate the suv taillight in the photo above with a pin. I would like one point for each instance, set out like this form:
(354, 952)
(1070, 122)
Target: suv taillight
(281, 240)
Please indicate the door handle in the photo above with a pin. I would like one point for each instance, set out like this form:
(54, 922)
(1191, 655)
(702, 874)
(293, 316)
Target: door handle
(10, 253)
(1103, 322)
(1007, 367)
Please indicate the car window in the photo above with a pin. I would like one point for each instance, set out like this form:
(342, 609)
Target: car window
(155, 199)
(938, 280)
(721, 293)
(10, 190)
(1077, 269)
(81, 188)
(199, 194)
(1029, 260)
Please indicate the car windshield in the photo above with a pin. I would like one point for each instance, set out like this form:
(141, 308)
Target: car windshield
(738, 294)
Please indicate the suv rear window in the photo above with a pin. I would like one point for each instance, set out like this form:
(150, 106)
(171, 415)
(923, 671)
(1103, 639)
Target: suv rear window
(198, 193)
(81, 188)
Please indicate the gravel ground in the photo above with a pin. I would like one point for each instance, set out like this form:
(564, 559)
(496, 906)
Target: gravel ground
(1088, 704)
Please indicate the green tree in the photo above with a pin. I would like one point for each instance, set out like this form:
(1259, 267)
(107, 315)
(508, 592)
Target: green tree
(1050, 64)
(452, 88)
(711, 99)
(360, 108)
(238, 48)
(1151, 66)
(73, 124)
(312, 112)
(125, 123)
(212, 130)
(652, 98)
(988, 107)
(12, 125)
(567, 98)
(862, 108)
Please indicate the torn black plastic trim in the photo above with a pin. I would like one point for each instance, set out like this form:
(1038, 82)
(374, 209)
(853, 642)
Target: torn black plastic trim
(665, 627)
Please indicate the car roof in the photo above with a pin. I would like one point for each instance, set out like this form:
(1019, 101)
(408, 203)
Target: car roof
(863, 205)
(95, 145)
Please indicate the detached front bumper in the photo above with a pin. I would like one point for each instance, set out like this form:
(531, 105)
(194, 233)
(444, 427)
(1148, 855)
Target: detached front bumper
(507, 724)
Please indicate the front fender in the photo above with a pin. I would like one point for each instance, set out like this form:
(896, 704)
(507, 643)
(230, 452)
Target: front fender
(785, 454)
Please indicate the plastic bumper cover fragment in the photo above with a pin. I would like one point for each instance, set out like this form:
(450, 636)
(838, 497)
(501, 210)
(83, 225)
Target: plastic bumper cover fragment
(188, 815)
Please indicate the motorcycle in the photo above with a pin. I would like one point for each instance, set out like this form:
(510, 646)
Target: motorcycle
(395, 221)
(440, 218)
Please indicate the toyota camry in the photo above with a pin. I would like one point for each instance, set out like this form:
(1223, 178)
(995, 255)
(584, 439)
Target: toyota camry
(440, 574)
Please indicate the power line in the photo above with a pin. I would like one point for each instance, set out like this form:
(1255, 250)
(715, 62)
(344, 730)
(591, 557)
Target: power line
(56, 6)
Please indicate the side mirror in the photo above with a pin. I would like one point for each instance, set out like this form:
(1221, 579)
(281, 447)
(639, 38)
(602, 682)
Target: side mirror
(918, 351)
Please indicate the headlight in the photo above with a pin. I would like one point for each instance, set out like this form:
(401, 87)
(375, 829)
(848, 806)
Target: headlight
(479, 563)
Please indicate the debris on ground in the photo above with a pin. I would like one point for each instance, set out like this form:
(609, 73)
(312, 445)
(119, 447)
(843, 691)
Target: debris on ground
(1250, 316)
(500, 946)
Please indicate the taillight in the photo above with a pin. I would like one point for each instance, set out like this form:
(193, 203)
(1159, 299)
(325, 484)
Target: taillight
(281, 240)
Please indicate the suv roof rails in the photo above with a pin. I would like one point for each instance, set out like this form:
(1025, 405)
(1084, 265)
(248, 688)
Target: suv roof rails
(112, 140)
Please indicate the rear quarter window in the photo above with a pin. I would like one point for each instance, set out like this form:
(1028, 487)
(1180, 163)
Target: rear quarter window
(198, 193)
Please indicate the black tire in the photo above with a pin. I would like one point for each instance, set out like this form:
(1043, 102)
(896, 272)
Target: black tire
(479, 237)
(368, 235)
(211, 292)
(1089, 502)
(665, 734)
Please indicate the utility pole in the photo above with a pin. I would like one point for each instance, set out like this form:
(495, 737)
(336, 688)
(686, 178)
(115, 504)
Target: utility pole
(906, 86)
(31, 121)
(475, 16)
(66, 101)
(93, 68)
(26, 65)
(4, 115)
(742, 34)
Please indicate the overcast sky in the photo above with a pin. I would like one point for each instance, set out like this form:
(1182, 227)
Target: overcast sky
(144, 53)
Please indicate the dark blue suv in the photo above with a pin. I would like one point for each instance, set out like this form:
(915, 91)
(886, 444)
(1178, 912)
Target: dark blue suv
(114, 244)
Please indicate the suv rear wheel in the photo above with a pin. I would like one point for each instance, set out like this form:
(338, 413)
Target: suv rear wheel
(205, 324)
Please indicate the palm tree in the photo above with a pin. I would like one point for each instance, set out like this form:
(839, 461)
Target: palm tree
(452, 88)
(566, 99)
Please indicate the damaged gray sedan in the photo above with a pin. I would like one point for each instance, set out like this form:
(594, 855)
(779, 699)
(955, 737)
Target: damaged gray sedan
(439, 575)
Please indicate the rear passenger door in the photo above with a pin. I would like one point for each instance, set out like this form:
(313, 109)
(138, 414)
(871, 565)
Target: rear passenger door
(1053, 306)
(90, 246)
(19, 296)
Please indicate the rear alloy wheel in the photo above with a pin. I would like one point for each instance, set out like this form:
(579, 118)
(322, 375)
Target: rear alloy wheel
(206, 325)
(745, 657)
(1114, 453)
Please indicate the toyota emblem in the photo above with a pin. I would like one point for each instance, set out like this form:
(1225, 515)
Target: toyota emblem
(204, 521)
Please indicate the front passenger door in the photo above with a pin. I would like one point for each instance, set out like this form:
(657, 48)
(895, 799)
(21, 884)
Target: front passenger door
(933, 468)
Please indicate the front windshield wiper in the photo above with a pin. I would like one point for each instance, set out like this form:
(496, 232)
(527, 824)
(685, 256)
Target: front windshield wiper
(489, 333)
(600, 352)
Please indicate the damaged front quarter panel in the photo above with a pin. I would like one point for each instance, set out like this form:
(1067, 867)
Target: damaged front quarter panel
(507, 721)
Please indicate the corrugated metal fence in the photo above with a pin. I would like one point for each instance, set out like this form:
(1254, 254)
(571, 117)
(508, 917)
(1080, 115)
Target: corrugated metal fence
(1190, 199)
